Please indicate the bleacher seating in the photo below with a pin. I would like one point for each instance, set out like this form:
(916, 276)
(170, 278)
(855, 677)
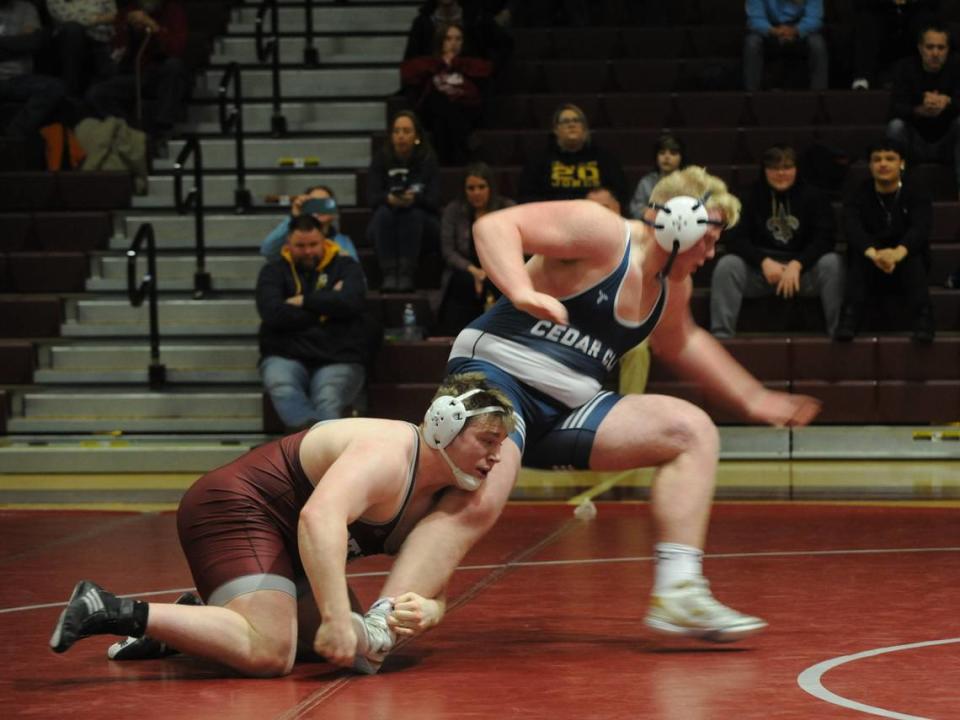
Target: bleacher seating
(632, 81)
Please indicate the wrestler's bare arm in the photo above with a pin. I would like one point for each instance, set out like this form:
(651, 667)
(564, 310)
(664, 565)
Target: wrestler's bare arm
(359, 479)
(697, 356)
(567, 230)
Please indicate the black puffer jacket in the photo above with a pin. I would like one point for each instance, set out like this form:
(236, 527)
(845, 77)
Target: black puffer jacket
(330, 326)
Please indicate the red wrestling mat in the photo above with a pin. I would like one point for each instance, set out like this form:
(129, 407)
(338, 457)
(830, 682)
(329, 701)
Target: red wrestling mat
(545, 622)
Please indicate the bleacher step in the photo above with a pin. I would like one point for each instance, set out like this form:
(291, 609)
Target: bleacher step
(123, 454)
(307, 82)
(176, 273)
(315, 153)
(176, 232)
(328, 116)
(350, 18)
(219, 190)
(332, 50)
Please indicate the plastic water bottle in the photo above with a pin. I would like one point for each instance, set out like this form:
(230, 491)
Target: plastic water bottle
(410, 330)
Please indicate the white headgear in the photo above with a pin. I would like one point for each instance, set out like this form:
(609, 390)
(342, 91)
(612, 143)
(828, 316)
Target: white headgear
(682, 220)
(444, 420)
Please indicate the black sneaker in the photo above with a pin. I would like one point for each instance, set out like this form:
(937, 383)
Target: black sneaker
(146, 648)
(92, 610)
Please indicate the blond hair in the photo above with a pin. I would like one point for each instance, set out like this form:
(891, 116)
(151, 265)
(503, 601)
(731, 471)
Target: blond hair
(461, 383)
(696, 182)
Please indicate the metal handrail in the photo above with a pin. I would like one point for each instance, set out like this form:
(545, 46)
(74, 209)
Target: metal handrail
(194, 201)
(311, 56)
(234, 122)
(278, 123)
(157, 372)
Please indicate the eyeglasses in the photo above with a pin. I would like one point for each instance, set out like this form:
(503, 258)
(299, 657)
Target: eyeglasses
(570, 121)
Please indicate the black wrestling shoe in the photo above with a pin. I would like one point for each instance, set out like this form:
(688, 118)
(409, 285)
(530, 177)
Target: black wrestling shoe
(146, 648)
(92, 610)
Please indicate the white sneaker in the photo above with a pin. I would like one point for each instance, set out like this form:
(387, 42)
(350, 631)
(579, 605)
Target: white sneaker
(860, 84)
(374, 641)
(688, 609)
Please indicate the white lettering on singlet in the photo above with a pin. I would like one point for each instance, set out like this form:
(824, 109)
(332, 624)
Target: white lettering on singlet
(571, 337)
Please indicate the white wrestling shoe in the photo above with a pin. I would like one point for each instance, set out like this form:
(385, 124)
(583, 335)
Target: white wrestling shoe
(374, 639)
(689, 609)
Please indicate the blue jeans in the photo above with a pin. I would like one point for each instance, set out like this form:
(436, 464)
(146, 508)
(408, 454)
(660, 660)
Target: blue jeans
(302, 395)
(756, 46)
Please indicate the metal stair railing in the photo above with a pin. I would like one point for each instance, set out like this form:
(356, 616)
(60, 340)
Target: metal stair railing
(157, 372)
(311, 57)
(193, 200)
(233, 122)
(278, 123)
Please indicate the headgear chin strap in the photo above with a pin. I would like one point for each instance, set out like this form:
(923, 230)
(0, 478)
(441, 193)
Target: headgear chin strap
(444, 420)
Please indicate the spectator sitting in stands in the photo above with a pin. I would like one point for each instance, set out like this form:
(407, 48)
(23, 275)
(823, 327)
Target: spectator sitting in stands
(83, 36)
(669, 156)
(483, 25)
(887, 223)
(313, 336)
(21, 36)
(783, 28)
(571, 164)
(326, 215)
(783, 245)
(445, 90)
(926, 91)
(403, 191)
(158, 30)
(884, 32)
(604, 197)
(466, 292)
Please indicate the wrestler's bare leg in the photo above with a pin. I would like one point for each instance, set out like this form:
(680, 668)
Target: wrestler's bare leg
(254, 633)
(681, 441)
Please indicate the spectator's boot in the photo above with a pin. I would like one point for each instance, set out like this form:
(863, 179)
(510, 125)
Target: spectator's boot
(406, 270)
(388, 272)
(849, 324)
(924, 329)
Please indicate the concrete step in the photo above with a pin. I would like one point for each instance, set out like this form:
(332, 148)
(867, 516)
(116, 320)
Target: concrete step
(215, 318)
(307, 82)
(175, 273)
(218, 190)
(326, 116)
(343, 18)
(96, 454)
(110, 363)
(104, 410)
(266, 154)
(341, 49)
(176, 232)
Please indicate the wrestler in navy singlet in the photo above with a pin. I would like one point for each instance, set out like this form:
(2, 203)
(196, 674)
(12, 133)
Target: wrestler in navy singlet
(548, 369)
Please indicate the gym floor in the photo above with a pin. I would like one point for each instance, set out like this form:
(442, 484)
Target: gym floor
(544, 619)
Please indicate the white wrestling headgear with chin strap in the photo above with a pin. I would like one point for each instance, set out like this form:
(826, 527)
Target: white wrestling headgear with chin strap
(444, 420)
(680, 223)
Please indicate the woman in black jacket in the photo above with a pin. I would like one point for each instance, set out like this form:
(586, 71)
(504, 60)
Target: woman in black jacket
(403, 192)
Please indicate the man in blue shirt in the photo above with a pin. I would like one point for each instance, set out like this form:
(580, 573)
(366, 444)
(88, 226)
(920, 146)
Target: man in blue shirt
(783, 27)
